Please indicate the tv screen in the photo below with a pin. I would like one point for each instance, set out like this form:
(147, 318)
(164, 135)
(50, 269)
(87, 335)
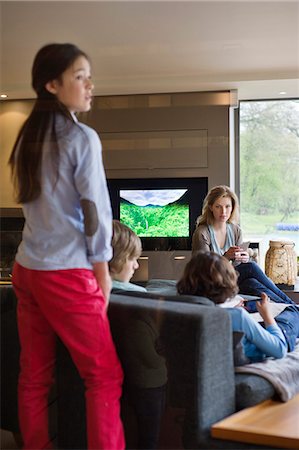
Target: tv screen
(155, 212)
(162, 211)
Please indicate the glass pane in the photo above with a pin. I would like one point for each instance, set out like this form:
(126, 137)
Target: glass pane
(269, 171)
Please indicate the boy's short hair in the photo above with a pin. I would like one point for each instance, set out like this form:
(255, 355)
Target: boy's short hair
(209, 275)
(125, 244)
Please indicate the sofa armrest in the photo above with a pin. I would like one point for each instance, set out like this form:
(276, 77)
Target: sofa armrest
(215, 371)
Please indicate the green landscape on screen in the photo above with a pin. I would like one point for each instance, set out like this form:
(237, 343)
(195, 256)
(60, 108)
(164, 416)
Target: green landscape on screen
(171, 220)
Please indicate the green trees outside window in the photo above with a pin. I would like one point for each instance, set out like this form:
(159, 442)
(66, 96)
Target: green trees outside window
(269, 169)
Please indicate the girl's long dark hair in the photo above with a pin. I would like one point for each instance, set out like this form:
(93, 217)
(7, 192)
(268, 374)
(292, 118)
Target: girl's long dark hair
(26, 156)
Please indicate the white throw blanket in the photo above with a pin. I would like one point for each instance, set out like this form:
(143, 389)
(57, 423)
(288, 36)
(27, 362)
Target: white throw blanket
(282, 373)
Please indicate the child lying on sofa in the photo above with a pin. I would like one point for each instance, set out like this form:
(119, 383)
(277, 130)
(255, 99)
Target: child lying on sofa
(144, 366)
(211, 275)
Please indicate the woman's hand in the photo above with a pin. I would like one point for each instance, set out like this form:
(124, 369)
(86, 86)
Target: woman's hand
(263, 308)
(242, 256)
(230, 254)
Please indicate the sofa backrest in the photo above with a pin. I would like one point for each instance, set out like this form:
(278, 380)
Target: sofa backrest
(198, 349)
(197, 342)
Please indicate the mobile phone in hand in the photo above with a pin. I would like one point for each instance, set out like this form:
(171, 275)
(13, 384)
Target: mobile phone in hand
(250, 304)
(252, 299)
(244, 246)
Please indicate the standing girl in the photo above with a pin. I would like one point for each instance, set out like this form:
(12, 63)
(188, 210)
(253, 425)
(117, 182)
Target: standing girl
(61, 275)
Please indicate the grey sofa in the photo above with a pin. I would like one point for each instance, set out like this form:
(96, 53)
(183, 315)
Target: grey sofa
(202, 386)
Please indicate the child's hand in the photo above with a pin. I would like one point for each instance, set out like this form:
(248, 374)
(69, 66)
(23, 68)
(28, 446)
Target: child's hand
(240, 304)
(263, 308)
(103, 278)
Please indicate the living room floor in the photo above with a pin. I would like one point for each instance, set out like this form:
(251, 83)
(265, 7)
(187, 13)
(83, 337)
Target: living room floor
(7, 441)
(170, 435)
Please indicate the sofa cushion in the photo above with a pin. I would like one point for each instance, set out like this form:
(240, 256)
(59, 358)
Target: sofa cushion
(167, 287)
(251, 390)
(161, 296)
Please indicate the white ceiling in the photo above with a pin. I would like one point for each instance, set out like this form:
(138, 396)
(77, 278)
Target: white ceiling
(166, 46)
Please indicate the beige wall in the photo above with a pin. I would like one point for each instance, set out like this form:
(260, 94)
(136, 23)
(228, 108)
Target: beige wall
(164, 135)
(157, 135)
(12, 116)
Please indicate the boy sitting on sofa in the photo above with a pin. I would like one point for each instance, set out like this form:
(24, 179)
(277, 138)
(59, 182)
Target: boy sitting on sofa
(144, 366)
(211, 275)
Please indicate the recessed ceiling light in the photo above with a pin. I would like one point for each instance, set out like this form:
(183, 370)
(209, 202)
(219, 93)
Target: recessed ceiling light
(282, 93)
(3, 95)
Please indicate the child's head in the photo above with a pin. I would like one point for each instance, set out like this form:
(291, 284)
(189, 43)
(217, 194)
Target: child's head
(61, 79)
(209, 275)
(60, 71)
(126, 250)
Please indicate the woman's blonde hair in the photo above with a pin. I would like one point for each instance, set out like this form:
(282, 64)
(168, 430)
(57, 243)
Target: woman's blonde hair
(206, 217)
(125, 244)
(209, 275)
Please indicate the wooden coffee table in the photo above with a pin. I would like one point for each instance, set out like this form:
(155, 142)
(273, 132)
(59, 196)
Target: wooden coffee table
(270, 423)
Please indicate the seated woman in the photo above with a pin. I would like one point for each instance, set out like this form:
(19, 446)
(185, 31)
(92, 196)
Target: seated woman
(217, 230)
(211, 275)
(140, 351)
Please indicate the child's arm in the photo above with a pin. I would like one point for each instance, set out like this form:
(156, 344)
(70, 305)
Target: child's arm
(142, 343)
(269, 341)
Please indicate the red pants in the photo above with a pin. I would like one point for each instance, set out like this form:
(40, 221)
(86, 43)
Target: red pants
(69, 304)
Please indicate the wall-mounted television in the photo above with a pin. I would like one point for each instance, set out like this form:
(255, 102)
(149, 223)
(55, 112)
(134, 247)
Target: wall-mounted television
(161, 211)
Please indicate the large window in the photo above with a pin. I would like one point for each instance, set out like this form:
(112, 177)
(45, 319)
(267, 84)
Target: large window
(269, 171)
